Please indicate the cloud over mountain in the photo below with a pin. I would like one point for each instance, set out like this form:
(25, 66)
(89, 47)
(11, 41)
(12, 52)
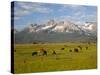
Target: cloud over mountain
(39, 13)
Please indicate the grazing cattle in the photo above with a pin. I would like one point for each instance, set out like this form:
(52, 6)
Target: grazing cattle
(86, 48)
(35, 43)
(44, 52)
(76, 50)
(70, 50)
(79, 47)
(62, 48)
(34, 53)
(54, 53)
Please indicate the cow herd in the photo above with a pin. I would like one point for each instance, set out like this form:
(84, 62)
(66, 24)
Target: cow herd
(44, 52)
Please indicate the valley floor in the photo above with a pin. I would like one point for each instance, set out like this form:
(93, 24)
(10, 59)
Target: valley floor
(24, 62)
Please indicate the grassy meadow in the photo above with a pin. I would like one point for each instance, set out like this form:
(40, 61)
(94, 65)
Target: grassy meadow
(64, 60)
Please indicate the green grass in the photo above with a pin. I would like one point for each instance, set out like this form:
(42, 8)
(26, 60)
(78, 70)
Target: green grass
(24, 62)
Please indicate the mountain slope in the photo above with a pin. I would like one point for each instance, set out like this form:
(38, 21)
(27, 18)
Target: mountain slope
(62, 31)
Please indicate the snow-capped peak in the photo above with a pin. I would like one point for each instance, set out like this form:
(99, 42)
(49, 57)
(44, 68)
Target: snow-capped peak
(62, 26)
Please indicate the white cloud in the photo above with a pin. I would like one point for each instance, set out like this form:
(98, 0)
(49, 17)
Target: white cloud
(79, 17)
(92, 18)
(72, 7)
(34, 7)
(25, 8)
(64, 18)
(80, 13)
(20, 12)
(42, 10)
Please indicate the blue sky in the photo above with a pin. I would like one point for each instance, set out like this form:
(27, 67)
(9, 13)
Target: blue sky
(26, 13)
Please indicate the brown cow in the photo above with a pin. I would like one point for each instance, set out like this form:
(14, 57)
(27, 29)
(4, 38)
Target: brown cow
(79, 47)
(44, 52)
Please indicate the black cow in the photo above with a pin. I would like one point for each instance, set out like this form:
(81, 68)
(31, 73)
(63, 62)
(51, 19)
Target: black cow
(62, 48)
(54, 53)
(86, 48)
(34, 53)
(76, 50)
(70, 50)
(44, 52)
(35, 43)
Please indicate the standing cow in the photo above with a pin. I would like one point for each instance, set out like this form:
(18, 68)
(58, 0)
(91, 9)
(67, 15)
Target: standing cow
(44, 52)
(70, 50)
(86, 48)
(62, 48)
(80, 47)
(54, 53)
(34, 53)
(76, 50)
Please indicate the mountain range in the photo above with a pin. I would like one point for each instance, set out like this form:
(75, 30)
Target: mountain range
(52, 31)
